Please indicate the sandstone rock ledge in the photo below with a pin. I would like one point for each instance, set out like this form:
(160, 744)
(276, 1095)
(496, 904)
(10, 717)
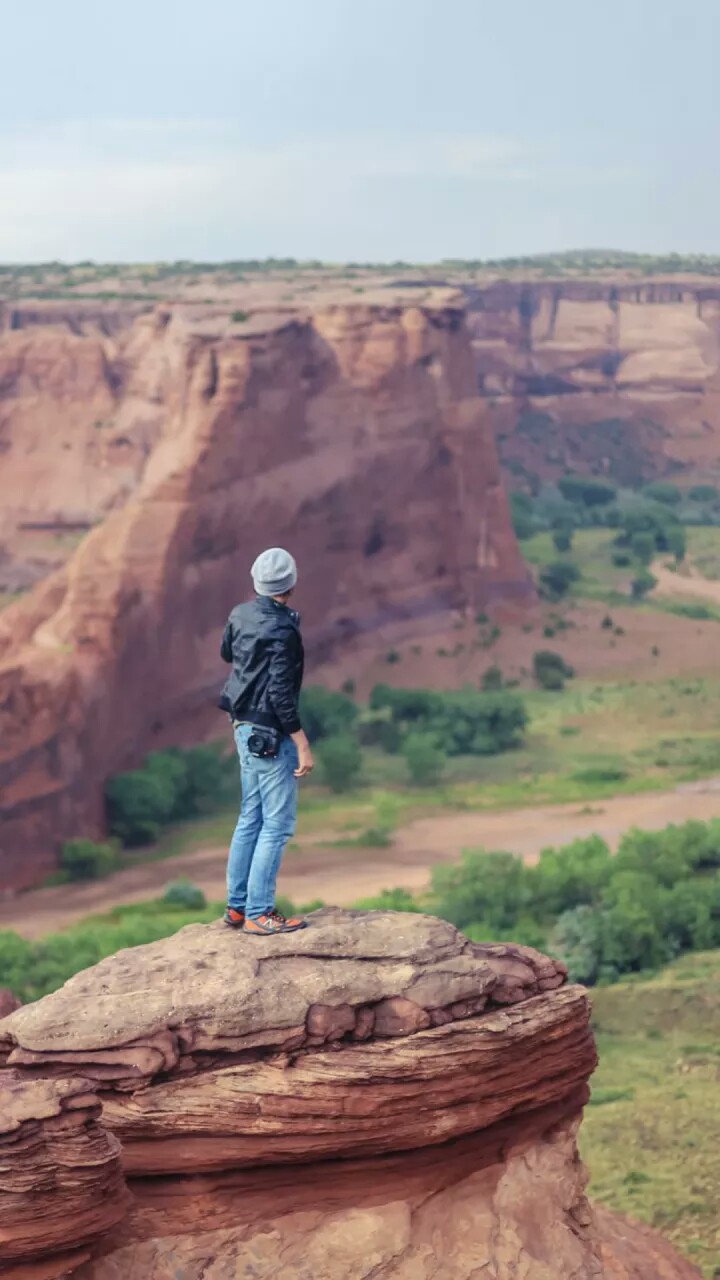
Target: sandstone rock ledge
(373, 1097)
(61, 1181)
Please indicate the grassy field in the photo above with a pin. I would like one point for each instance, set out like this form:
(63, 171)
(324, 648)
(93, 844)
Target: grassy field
(584, 744)
(592, 552)
(651, 1136)
(704, 551)
(600, 579)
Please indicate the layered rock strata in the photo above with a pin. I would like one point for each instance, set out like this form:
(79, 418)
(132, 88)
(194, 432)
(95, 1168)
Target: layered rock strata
(355, 436)
(617, 377)
(372, 1097)
(61, 1182)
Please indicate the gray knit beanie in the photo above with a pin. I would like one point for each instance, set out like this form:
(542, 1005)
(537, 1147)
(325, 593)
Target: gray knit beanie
(274, 572)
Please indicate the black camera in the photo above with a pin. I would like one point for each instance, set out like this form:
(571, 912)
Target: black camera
(264, 743)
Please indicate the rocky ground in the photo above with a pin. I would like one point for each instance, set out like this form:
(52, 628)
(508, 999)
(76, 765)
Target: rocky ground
(447, 1078)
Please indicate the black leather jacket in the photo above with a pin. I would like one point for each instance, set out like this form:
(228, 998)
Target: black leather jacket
(262, 641)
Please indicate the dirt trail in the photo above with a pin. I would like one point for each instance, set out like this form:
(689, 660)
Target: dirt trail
(676, 584)
(342, 876)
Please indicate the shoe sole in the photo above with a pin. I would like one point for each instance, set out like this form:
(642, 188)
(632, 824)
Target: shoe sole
(273, 933)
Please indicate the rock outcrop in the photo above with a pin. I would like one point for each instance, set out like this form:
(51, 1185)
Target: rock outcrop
(373, 1097)
(355, 435)
(61, 1181)
(599, 376)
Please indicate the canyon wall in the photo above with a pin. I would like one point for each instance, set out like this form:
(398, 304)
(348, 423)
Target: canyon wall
(600, 377)
(374, 1096)
(354, 435)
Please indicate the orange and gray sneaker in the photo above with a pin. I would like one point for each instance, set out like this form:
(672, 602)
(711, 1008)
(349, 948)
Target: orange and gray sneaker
(273, 922)
(236, 919)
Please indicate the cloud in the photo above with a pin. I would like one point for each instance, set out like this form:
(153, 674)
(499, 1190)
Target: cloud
(159, 188)
(163, 189)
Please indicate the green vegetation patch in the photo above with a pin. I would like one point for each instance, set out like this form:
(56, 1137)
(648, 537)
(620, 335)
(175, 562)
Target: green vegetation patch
(651, 1137)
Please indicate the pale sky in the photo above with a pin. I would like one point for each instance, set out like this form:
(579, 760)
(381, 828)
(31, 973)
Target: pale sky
(357, 129)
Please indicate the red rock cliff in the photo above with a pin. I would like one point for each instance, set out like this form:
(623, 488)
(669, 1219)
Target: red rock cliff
(354, 436)
(372, 1097)
(597, 376)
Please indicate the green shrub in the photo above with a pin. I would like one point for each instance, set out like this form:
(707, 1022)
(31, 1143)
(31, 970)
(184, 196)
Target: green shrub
(374, 838)
(550, 669)
(577, 939)
(239, 317)
(464, 722)
(86, 860)
(562, 540)
(139, 803)
(341, 761)
(621, 559)
(181, 893)
(642, 547)
(642, 583)
(599, 774)
(492, 679)
(378, 729)
(703, 493)
(677, 541)
(661, 491)
(388, 900)
(172, 785)
(556, 578)
(691, 609)
(587, 490)
(492, 887)
(425, 760)
(325, 713)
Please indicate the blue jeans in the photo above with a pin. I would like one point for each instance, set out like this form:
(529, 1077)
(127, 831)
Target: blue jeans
(266, 823)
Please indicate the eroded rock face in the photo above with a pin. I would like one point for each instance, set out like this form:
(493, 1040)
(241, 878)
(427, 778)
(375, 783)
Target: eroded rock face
(633, 1251)
(593, 376)
(8, 1002)
(61, 1182)
(374, 1098)
(355, 436)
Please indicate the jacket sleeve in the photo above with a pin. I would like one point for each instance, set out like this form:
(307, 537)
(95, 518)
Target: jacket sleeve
(281, 685)
(226, 652)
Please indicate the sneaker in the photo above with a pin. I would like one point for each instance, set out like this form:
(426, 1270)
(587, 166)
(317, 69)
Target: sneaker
(274, 922)
(236, 919)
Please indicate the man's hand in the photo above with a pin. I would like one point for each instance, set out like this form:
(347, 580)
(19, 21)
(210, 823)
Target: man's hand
(306, 764)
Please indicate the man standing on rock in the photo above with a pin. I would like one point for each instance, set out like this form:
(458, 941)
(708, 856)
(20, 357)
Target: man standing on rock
(262, 641)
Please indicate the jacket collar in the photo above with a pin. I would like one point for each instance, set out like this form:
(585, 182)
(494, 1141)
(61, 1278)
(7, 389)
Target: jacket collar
(275, 606)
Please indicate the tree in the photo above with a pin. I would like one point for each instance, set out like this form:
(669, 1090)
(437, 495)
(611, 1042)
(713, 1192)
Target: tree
(703, 493)
(341, 761)
(642, 547)
(587, 490)
(677, 542)
(139, 803)
(577, 939)
(550, 669)
(325, 713)
(573, 875)
(492, 679)
(660, 491)
(425, 760)
(562, 539)
(642, 584)
(555, 579)
(86, 860)
(463, 722)
(489, 887)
